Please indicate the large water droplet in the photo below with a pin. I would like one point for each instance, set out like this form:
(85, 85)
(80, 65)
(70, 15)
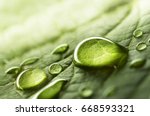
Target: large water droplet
(99, 52)
(86, 93)
(29, 61)
(137, 33)
(55, 68)
(60, 49)
(51, 91)
(12, 70)
(31, 78)
(141, 46)
(136, 63)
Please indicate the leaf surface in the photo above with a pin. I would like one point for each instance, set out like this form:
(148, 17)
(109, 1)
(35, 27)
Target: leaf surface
(35, 28)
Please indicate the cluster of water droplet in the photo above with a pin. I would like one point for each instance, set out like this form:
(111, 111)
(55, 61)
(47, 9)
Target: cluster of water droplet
(29, 78)
(138, 62)
(94, 52)
(138, 34)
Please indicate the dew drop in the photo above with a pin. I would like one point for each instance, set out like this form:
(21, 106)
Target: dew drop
(149, 42)
(29, 61)
(12, 70)
(55, 68)
(61, 49)
(31, 78)
(86, 93)
(51, 91)
(141, 46)
(99, 52)
(136, 63)
(137, 33)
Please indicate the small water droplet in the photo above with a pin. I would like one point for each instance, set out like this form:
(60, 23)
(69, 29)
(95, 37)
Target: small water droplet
(51, 91)
(86, 93)
(99, 52)
(148, 42)
(12, 70)
(29, 61)
(55, 68)
(31, 78)
(137, 33)
(141, 46)
(61, 49)
(136, 63)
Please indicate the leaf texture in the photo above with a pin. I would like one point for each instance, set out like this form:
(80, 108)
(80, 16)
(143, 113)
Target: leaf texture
(35, 28)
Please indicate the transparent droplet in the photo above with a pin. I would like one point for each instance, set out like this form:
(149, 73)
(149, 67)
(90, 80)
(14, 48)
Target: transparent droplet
(31, 78)
(55, 68)
(141, 46)
(86, 93)
(148, 42)
(60, 49)
(29, 61)
(136, 63)
(99, 52)
(51, 91)
(12, 70)
(137, 33)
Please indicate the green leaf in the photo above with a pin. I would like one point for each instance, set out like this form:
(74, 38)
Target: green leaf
(35, 28)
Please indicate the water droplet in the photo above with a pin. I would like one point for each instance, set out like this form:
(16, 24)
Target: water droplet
(136, 63)
(137, 33)
(109, 91)
(29, 61)
(61, 49)
(99, 52)
(12, 70)
(31, 78)
(55, 68)
(148, 42)
(141, 46)
(86, 93)
(51, 91)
